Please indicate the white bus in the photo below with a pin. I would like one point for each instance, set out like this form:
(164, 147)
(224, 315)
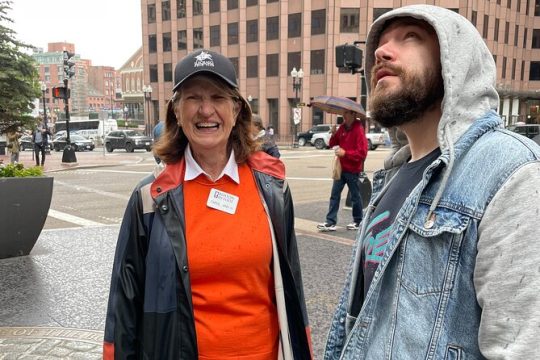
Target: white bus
(93, 129)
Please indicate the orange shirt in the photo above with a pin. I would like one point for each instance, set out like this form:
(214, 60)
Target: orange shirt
(229, 258)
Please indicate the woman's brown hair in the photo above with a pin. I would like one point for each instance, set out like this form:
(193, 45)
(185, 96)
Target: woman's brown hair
(172, 143)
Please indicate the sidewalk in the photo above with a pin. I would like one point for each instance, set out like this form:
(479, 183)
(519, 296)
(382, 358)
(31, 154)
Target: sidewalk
(89, 159)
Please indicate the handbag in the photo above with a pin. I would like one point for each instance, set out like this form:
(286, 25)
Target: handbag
(336, 169)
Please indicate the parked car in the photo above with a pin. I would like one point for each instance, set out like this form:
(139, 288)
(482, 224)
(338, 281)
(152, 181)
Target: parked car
(305, 137)
(375, 138)
(26, 143)
(78, 142)
(532, 131)
(128, 140)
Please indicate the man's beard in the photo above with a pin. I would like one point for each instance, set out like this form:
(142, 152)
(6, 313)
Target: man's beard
(416, 96)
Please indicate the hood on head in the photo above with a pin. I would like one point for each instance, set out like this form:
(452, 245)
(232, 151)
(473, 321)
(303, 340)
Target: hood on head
(467, 66)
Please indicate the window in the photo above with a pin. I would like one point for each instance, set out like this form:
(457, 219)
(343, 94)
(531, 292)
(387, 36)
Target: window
(165, 10)
(180, 9)
(198, 38)
(536, 11)
(503, 75)
(522, 70)
(197, 7)
(167, 72)
(506, 32)
(379, 11)
(318, 22)
(182, 39)
(496, 31)
(513, 69)
(295, 25)
(516, 33)
(536, 39)
(317, 116)
(271, 1)
(525, 33)
(518, 9)
(349, 20)
(251, 2)
(272, 65)
(232, 33)
(153, 73)
(167, 46)
(534, 73)
(151, 9)
(294, 60)
(474, 16)
(234, 61)
(509, 4)
(486, 27)
(272, 28)
(232, 4)
(215, 35)
(527, 8)
(252, 29)
(214, 6)
(252, 66)
(152, 43)
(317, 62)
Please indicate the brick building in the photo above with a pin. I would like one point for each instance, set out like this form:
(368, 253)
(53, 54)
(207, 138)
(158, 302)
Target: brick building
(265, 39)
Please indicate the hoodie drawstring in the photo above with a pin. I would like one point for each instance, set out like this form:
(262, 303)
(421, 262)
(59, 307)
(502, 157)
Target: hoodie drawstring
(430, 218)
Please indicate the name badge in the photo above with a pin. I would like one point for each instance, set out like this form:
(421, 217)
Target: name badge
(222, 201)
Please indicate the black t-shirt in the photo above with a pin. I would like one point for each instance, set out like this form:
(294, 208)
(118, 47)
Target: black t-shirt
(380, 224)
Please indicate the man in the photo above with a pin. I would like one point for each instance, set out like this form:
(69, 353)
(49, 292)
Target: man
(447, 261)
(262, 136)
(156, 132)
(41, 141)
(351, 147)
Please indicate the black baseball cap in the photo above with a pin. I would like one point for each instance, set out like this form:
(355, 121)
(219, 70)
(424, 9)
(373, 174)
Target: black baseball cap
(204, 61)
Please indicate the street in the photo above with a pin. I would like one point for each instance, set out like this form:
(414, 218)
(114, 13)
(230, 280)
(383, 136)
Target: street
(92, 201)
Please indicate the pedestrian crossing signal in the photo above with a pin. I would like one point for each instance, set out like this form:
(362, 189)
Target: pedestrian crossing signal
(60, 92)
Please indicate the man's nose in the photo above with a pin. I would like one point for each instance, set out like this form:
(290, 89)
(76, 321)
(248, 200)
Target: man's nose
(384, 52)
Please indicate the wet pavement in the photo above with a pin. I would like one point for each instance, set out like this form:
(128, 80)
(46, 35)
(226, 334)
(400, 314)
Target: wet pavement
(53, 302)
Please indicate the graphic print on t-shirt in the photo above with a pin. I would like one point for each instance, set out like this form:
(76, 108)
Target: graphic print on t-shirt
(377, 234)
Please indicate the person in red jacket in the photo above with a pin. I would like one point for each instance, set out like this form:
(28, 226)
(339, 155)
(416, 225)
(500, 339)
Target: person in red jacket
(350, 145)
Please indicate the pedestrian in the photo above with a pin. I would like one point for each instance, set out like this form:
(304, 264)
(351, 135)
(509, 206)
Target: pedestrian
(446, 261)
(206, 264)
(266, 141)
(350, 146)
(14, 145)
(156, 132)
(270, 131)
(41, 141)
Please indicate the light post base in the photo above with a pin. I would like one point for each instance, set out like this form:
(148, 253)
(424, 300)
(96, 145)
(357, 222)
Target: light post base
(69, 155)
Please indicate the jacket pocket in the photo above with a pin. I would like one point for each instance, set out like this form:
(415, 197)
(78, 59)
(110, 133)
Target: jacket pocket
(453, 352)
(430, 252)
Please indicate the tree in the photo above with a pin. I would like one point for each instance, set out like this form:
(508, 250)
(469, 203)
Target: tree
(19, 81)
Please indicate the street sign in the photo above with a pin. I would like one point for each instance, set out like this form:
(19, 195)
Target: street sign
(297, 115)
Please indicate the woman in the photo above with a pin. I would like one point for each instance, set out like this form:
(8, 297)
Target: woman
(266, 142)
(206, 264)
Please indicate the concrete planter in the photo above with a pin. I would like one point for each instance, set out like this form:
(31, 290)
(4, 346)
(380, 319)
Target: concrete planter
(24, 204)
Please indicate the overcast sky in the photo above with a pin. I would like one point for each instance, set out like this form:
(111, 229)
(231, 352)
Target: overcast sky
(107, 32)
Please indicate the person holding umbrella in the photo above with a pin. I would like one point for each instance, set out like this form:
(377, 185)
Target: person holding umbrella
(350, 146)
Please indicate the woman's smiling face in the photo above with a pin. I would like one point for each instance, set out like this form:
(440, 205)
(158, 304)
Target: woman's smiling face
(207, 114)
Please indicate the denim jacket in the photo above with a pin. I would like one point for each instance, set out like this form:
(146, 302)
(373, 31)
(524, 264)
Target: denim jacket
(422, 302)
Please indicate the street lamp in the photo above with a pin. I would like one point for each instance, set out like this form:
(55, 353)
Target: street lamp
(43, 90)
(147, 90)
(297, 77)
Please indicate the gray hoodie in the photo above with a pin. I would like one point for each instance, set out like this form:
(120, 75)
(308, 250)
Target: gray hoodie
(507, 271)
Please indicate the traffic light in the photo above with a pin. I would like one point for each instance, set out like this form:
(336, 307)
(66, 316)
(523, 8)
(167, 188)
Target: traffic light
(69, 64)
(348, 56)
(60, 92)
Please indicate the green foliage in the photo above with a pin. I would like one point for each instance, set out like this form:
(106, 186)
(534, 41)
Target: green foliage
(19, 81)
(18, 170)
